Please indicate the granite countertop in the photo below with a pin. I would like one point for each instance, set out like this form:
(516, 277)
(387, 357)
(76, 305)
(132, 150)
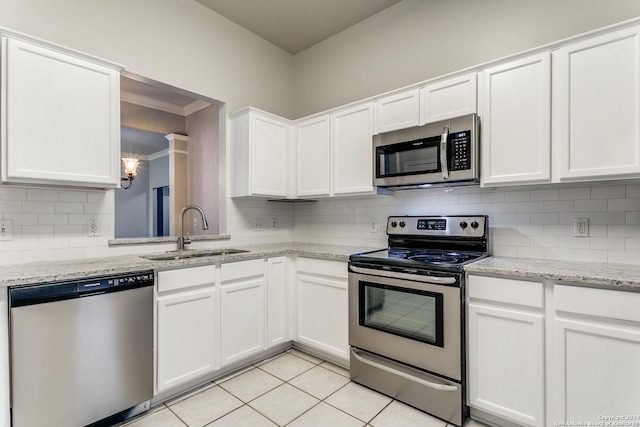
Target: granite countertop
(612, 276)
(50, 271)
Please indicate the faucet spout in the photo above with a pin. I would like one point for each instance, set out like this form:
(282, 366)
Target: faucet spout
(182, 240)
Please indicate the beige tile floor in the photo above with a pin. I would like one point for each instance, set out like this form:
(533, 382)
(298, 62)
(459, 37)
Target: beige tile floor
(293, 389)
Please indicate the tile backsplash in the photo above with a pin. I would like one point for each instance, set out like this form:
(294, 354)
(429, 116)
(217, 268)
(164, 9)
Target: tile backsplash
(53, 224)
(526, 222)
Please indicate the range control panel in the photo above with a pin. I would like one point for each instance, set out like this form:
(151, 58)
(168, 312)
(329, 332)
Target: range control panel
(452, 225)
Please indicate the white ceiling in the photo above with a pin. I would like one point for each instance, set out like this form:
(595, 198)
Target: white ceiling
(295, 25)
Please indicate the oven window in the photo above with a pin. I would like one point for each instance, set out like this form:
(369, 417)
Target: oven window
(409, 313)
(408, 158)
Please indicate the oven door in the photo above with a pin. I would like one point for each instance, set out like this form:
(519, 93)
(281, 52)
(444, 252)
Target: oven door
(412, 321)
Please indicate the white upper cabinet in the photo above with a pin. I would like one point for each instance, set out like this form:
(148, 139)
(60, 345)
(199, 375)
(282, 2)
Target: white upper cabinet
(596, 107)
(313, 157)
(60, 116)
(515, 109)
(439, 100)
(352, 150)
(448, 98)
(398, 111)
(260, 154)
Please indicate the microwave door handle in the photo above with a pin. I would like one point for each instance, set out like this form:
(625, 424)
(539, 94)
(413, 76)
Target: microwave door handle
(443, 152)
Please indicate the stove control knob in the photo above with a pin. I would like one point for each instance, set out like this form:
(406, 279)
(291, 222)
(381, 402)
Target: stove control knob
(463, 225)
(474, 225)
(402, 224)
(394, 224)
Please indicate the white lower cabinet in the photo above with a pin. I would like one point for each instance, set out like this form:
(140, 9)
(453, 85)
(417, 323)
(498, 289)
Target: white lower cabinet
(506, 349)
(278, 318)
(542, 353)
(242, 310)
(186, 328)
(597, 363)
(322, 306)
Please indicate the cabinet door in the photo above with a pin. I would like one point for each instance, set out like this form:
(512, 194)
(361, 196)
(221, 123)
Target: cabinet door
(597, 361)
(598, 373)
(242, 310)
(322, 304)
(313, 155)
(278, 319)
(269, 156)
(61, 118)
(596, 107)
(398, 111)
(452, 97)
(515, 108)
(352, 145)
(186, 336)
(506, 363)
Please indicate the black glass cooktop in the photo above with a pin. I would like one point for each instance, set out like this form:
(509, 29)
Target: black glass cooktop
(423, 258)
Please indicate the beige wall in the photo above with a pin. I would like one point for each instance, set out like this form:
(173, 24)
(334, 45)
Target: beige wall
(203, 182)
(415, 40)
(177, 42)
(149, 119)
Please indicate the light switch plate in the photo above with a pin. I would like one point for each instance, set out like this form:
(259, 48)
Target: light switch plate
(6, 229)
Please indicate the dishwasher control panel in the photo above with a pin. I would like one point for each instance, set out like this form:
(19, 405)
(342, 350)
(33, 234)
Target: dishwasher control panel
(129, 281)
(81, 287)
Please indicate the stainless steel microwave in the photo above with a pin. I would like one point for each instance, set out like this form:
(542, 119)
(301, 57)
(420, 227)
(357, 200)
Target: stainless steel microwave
(440, 153)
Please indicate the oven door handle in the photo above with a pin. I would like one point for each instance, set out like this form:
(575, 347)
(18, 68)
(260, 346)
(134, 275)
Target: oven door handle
(406, 276)
(435, 386)
(443, 152)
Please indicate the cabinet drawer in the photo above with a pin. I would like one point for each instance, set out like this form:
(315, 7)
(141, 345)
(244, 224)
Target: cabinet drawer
(323, 267)
(598, 302)
(186, 277)
(242, 269)
(510, 291)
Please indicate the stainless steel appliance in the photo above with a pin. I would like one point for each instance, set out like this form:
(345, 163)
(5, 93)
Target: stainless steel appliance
(441, 153)
(406, 311)
(81, 351)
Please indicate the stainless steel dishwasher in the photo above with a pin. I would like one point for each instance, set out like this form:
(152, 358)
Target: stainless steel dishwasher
(81, 351)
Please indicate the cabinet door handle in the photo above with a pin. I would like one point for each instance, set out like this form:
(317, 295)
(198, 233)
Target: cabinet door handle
(443, 152)
(435, 386)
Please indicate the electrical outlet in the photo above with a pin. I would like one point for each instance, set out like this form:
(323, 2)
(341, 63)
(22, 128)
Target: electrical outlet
(581, 227)
(274, 224)
(373, 226)
(258, 224)
(92, 228)
(195, 222)
(6, 229)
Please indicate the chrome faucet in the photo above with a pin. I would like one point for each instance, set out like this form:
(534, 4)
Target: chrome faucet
(186, 240)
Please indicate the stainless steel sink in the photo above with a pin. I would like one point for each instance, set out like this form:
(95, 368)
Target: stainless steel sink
(172, 256)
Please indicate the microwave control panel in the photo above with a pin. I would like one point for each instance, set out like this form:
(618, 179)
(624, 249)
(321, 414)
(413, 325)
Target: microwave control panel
(460, 143)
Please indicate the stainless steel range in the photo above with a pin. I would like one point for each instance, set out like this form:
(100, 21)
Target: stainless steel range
(406, 311)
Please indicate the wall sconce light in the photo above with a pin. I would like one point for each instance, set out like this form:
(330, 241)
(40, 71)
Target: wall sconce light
(131, 169)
